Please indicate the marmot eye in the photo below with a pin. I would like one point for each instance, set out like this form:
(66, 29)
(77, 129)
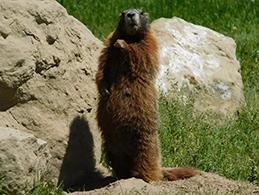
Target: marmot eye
(141, 12)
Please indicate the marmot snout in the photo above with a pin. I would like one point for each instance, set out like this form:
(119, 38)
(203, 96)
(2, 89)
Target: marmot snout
(134, 21)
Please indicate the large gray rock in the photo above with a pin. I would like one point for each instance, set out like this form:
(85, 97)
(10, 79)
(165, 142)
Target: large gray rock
(199, 63)
(48, 61)
(22, 158)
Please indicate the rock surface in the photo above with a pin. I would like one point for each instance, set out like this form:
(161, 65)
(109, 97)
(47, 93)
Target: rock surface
(206, 183)
(22, 158)
(48, 61)
(199, 63)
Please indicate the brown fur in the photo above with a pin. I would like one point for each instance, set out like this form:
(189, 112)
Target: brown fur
(127, 108)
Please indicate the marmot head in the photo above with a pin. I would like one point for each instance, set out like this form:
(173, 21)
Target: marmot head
(133, 22)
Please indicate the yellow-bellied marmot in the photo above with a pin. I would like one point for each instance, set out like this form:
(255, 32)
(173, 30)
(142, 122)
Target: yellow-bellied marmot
(127, 108)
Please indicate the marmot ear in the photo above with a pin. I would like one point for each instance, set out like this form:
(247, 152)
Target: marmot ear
(146, 15)
(123, 13)
(141, 11)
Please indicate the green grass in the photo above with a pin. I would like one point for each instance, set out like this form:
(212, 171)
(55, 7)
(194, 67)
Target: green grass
(40, 186)
(45, 188)
(3, 190)
(230, 149)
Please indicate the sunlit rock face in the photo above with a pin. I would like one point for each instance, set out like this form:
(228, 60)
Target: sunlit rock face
(200, 64)
(48, 61)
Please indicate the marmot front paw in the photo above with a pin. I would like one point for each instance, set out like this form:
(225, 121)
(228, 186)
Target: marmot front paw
(120, 44)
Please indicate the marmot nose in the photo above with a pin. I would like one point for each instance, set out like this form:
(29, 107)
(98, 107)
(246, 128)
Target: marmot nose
(130, 14)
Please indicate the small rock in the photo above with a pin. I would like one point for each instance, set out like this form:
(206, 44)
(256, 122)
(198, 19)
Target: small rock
(22, 158)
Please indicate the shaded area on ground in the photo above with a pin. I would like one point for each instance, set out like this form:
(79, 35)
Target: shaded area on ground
(78, 170)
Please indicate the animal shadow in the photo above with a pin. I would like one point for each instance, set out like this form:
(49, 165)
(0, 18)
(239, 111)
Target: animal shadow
(78, 171)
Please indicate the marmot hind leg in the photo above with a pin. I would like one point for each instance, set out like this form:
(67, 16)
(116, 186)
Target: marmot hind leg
(120, 165)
